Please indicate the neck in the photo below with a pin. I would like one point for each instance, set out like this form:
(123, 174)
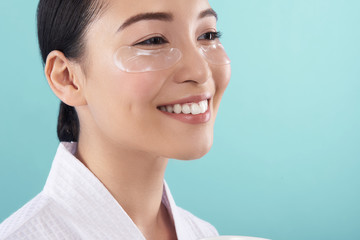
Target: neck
(134, 178)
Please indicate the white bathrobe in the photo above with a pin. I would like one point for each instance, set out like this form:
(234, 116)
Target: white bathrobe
(74, 204)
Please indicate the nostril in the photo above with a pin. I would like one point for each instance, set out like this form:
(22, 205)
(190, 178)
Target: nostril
(190, 81)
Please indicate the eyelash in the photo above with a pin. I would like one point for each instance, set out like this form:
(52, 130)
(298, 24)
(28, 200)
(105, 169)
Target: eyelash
(209, 36)
(153, 41)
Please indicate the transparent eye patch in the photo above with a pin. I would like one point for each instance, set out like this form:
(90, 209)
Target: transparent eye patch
(133, 59)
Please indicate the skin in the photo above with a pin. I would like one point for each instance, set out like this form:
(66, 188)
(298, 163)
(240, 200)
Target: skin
(124, 139)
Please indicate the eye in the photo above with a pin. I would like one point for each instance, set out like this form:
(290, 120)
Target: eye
(211, 36)
(153, 41)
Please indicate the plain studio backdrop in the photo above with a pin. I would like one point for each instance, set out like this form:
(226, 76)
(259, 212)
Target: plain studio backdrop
(285, 163)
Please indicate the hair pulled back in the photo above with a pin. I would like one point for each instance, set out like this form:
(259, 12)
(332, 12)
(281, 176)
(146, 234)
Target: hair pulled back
(61, 25)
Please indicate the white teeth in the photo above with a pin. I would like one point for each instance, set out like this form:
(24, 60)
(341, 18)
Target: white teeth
(177, 108)
(187, 108)
(203, 106)
(195, 108)
(169, 109)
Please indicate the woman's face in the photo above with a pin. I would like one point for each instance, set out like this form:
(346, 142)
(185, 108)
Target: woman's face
(125, 108)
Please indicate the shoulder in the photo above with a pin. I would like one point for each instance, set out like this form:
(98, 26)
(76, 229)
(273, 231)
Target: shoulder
(197, 224)
(40, 218)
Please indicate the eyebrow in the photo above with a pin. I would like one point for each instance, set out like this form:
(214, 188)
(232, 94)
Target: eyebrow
(162, 16)
(208, 13)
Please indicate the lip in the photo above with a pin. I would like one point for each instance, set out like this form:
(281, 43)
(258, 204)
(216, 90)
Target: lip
(190, 99)
(190, 118)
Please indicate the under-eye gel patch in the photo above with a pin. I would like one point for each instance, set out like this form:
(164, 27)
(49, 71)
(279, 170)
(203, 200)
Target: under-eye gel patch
(215, 54)
(133, 59)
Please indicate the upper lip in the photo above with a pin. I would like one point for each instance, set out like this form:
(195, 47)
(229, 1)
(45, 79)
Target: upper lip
(190, 99)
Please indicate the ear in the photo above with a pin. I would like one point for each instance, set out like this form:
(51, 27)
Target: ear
(64, 79)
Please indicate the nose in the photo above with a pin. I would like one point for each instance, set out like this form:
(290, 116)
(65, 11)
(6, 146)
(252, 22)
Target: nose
(192, 67)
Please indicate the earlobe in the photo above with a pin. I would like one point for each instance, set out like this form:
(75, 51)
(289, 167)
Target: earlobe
(62, 78)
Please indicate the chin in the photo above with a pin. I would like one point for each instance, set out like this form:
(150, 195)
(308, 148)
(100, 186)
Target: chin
(194, 151)
(193, 146)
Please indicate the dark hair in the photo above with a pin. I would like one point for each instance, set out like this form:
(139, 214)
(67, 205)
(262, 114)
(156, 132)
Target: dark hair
(62, 25)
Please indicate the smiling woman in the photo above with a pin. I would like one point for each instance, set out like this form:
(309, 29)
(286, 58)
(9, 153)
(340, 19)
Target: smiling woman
(139, 83)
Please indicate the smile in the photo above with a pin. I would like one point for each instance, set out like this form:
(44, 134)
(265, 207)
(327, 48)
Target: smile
(193, 110)
(187, 108)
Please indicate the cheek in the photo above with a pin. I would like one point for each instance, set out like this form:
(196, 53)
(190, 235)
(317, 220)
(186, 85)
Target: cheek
(114, 85)
(221, 77)
(143, 87)
(121, 105)
(132, 89)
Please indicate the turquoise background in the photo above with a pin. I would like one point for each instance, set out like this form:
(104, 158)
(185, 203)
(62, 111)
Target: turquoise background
(286, 157)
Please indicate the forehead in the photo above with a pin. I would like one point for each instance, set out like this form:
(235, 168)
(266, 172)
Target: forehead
(180, 9)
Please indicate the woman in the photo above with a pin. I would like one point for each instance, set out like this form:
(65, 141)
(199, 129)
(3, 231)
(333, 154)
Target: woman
(139, 82)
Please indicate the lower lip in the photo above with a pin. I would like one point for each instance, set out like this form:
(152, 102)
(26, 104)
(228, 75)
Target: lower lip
(190, 118)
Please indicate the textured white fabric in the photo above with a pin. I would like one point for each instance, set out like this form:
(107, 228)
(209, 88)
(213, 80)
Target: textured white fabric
(74, 204)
